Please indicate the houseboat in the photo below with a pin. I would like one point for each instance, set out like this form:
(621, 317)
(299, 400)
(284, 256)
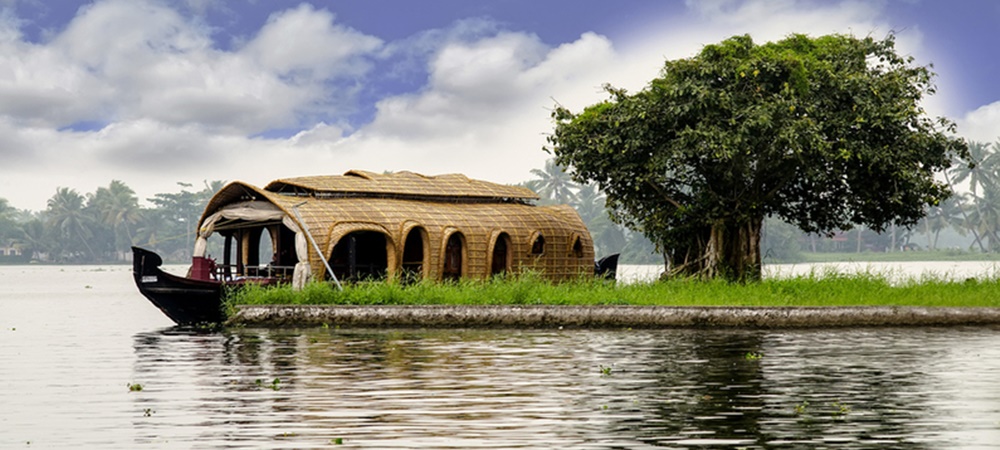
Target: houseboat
(362, 225)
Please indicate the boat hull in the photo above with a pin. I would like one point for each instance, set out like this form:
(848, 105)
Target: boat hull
(186, 301)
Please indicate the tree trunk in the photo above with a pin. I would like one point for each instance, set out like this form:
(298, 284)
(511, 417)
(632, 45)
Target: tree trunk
(727, 250)
(740, 258)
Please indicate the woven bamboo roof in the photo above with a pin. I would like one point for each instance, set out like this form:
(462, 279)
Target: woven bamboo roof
(395, 204)
(400, 185)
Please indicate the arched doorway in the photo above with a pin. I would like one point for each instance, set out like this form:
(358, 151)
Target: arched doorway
(501, 257)
(452, 270)
(359, 256)
(414, 256)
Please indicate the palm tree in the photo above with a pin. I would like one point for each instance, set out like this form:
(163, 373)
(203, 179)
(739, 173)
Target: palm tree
(975, 169)
(985, 177)
(152, 228)
(118, 208)
(985, 217)
(945, 215)
(608, 236)
(67, 217)
(554, 183)
(34, 238)
(8, 226)
(590, 203)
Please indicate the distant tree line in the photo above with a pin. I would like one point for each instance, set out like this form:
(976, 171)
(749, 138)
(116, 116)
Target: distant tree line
(973, 212)
(100, 227)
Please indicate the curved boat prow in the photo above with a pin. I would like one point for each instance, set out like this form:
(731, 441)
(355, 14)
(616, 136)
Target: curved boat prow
(607, 267)
(186, 301)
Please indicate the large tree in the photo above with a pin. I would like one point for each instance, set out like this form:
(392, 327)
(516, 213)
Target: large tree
(825, 133)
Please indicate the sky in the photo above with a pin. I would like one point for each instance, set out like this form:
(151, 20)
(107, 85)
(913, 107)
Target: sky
(159, 92)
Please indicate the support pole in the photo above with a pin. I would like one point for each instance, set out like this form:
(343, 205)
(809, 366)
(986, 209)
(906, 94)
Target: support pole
(295, 209)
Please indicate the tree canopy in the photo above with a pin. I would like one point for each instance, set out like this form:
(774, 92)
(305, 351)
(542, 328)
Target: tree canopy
(825, 133)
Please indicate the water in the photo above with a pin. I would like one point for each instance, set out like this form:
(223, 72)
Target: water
(900, 271)
(72, 340)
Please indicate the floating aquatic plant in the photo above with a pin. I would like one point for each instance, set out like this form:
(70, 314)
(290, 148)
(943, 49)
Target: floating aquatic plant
(840, 409)
(273, 385)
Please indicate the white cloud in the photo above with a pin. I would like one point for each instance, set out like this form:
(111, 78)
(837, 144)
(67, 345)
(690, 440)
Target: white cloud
(485, 109)
(181, 109)
(131, 60)
(305, 45)
(321, 134)
(982, 125)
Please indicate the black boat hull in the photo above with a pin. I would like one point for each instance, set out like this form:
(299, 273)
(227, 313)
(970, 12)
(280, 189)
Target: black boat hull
(607, 267)
(186, 301)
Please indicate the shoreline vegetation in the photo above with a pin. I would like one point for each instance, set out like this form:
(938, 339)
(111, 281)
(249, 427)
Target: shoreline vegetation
(818, 289)
(818, 300)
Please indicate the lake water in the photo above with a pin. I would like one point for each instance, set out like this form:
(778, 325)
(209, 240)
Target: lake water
(72, 340)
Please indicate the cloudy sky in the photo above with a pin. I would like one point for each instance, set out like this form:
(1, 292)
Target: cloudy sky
(156, 92)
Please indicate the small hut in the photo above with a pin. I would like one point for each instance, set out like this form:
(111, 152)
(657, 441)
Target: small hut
(398, 226)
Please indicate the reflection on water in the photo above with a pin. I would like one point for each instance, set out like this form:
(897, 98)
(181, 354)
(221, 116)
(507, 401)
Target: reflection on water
(568, 389)
(73, 338)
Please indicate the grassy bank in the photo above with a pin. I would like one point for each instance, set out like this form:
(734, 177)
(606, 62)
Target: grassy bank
(811, 290)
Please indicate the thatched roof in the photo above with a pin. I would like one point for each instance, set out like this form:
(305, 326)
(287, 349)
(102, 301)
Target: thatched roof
(394, 204)
(400, 185)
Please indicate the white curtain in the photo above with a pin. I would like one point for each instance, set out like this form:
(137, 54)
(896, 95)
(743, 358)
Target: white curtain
(303, 270)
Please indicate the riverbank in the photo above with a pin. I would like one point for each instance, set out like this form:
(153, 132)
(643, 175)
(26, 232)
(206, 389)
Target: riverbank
(603, 317)
(815, 300)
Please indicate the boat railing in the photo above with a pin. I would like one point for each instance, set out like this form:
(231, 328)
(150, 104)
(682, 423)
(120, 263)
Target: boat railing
(270, 271)
(231, 272)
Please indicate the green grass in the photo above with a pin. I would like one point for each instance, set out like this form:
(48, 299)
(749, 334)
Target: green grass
(828, 289)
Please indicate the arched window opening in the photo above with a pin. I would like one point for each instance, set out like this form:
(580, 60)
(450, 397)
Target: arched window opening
(577, 250)
(265, 250)
(281, 258)
(453, 258)
(501, 255)
(360, 256)
(413, 256)
(538, 246)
